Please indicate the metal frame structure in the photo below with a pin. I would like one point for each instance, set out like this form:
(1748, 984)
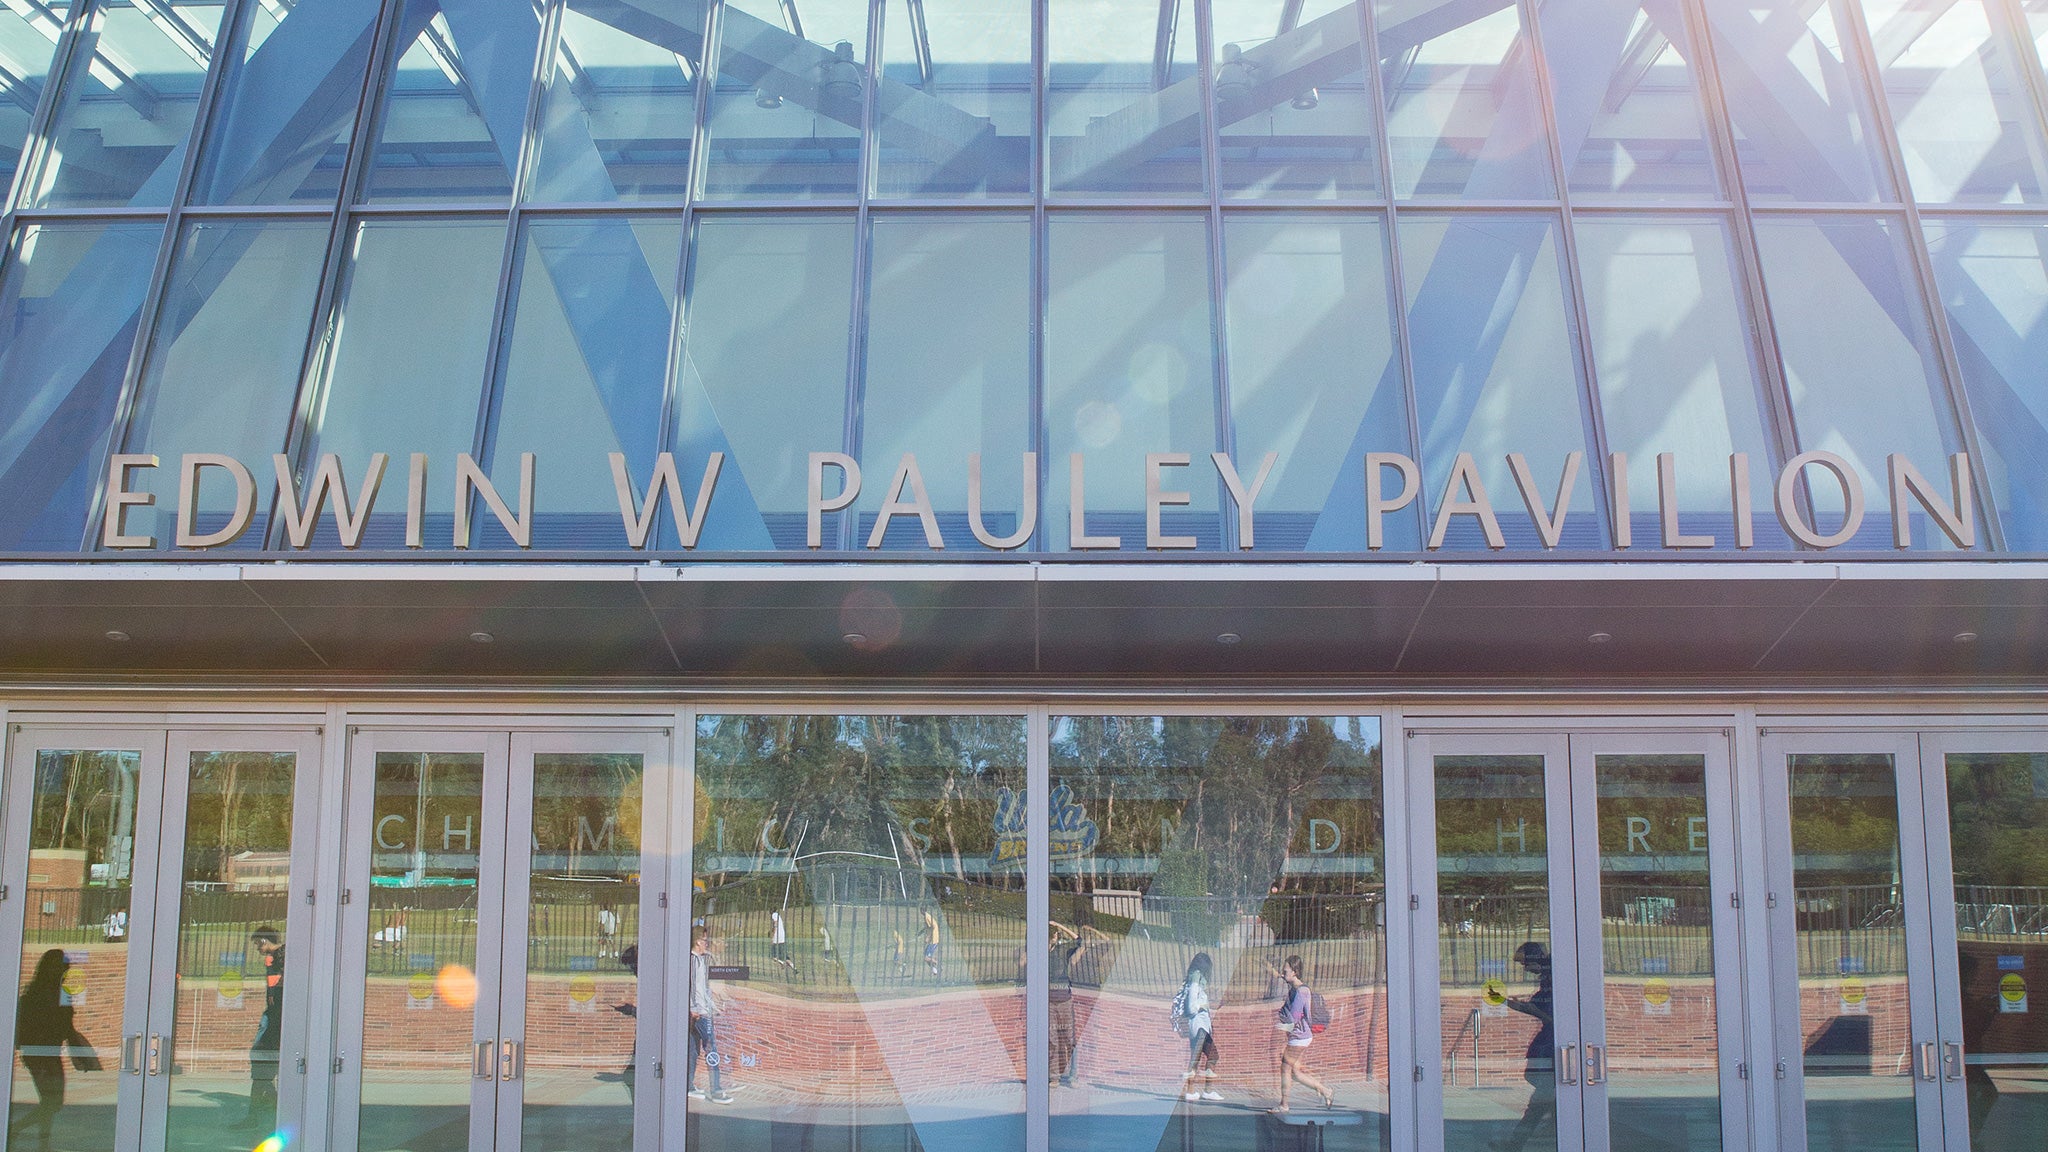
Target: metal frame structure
(1733, 208)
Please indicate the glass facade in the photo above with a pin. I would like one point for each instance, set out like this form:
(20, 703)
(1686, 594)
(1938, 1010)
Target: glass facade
(1574, 276)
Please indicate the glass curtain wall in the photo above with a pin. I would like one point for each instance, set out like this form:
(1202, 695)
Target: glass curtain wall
(857, 940)
(1209, 877)
(1564, 239)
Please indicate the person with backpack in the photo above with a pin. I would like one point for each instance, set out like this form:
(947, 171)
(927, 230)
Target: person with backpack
(1300, 1017)
(1191, 1019)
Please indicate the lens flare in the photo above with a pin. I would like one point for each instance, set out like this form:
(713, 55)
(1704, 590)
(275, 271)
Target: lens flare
(271, 1143)
(457, 986)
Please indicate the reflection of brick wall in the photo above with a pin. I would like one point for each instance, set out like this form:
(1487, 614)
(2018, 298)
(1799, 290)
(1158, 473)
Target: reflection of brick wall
(397, 1035)
(1682, 1043)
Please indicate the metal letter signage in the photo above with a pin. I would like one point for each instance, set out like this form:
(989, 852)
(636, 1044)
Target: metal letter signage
(1803, 494)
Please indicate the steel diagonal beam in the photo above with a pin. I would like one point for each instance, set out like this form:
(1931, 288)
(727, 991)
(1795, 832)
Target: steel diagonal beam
(760, 55)
(611, 294)
(1317, 53)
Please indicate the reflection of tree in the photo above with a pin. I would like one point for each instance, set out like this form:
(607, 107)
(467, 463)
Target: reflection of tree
(1996, 809)
(238, 802)
(1219, 802)
(85, 801)
(903, 787)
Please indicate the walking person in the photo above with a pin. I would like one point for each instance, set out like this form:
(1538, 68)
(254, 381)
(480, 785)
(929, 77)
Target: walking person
(931, 942)
(703, 1040)
(268, 947)
(1537, 1064)
(778, 941)
(43, 1027)
(1294, 1020)
(1191, 1015)
(1066, 948)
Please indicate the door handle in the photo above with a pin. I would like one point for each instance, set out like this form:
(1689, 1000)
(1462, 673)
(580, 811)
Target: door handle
(511, 1059)
(1568, 1064)
(485, 1066)
(1927, 1061)
(131, 1054)
(1596, 1064)
(1952, 1061)
(156, 1053)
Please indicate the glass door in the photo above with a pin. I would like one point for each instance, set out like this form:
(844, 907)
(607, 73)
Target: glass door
(1987, 800)
(156, 871)
(1493, 868)
(1852, 958)
(495, 890)
(1581, 897)
(82, 810)
(225, 1023)
(1654, 856)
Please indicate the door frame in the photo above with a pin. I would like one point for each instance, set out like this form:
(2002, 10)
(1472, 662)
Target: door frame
(1569, 743)
(304, 743)
(1716, 747)
(122, 1057)
(1783, 990)
(1935, 747)
(653, 913)
(351, 957)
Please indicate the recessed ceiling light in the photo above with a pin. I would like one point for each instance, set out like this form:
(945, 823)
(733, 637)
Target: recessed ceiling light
(855, 638)
(116, 634)
(1599, 637)
(1228, 638)
(482, 637)
(1966, 637)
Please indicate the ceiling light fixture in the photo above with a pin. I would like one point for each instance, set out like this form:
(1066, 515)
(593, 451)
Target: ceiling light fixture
(482, 637)
(1599, 637)
(1228, 638)
(1966, 637)
(116, 635)
(855, 638)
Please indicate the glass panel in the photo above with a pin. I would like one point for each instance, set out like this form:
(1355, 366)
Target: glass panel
(1802, 130)
(1959, 101)
(620, 105)
(1130, 369)
(1657, 954)
(1313, 375)
(119, 133)
(1850, 940)
(1997, 805)
(28, 39)
(1495, 371)
(419, 1003)
(584, 369)
(1671, 344)
(287, 104)
(1994, 282)
(1462, 114)
(1215, 875)
(1123, 99)
(784, 121)
(455, 103)
(1293, 99)
(1628, 110)
(74, 963)
(408, 362)
(582, 950)
(855, 977)
(953, 111)
(1859, 360)
(948, 372)
(1494, 955)
(230, 982)
(68, 308)
(223, 368)
(764, 369)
